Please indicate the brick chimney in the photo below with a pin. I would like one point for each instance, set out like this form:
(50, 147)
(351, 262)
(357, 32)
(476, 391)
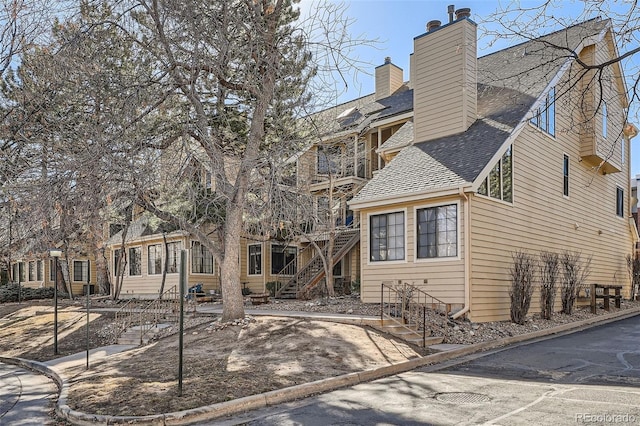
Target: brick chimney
(388, 79)
(444, 78)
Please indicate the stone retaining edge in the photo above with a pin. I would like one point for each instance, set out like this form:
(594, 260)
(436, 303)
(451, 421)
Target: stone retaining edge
(236, 406)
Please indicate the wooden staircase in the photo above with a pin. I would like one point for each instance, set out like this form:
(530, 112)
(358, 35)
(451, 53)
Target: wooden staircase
(307, 277)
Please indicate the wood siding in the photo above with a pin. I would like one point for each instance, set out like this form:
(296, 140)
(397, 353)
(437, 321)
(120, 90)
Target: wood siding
(389, 78)
(542, 218)
(147, 285)
(445, 277)
(445, 81)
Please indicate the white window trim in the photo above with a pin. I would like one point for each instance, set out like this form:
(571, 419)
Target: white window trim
(513, 195)
(261, 260)
(177, 256)
(456, 258)
(190, 257)
(73, 277)
(368, 238)
(605, 120)
(128, 265)
(623, 217)
(161, 259)
(271, 257)
(569, 183)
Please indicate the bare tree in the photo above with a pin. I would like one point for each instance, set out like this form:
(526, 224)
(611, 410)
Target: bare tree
(522, 275)
(575, 272)
(549, 272)
(236, 75)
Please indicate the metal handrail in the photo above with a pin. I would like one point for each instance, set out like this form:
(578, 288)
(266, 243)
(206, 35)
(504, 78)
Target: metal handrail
(408, 304)
(149, 315)
(164, 308)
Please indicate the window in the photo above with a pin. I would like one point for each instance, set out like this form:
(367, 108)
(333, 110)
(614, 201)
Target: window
(499, 184)
(328, 159)
(173, 264)
(39, 270)
(281, 257)
(52, 270)
(387, 237)
(32, 271)
(23, 276)
(254, 252)
(201, 259)
(620, 202)
(605, 118)
(116, 258)
(438, 232)
(545, 117)
(154, 259)
(80, 270)
(135, 261)
(565, 173)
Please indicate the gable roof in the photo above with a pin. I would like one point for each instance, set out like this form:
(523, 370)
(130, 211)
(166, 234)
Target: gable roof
(510, 83)
(144, 226)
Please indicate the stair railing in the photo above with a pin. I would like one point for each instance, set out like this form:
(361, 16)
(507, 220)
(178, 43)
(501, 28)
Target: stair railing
(147, 315)
(126, 315)
(287, 275)
(165, 308)
(408, 304)
(344, 241)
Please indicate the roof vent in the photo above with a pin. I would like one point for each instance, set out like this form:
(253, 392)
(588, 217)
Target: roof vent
(432, 25)
(450, 10)
(465, 12)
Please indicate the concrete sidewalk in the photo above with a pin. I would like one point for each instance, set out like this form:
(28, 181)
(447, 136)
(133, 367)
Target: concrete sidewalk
(64, 368)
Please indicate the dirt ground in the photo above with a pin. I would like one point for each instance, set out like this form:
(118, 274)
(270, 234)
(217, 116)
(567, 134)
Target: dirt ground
(220, 364)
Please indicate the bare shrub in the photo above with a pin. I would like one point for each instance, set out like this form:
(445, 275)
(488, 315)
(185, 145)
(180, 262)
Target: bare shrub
(575, 272)
(633, 264)
(549, 272)
(522, 272)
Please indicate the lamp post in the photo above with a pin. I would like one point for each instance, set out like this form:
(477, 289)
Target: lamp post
(55, 253)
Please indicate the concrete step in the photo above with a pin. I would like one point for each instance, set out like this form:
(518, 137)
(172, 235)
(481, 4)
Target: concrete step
(132, 335)
(430, 340)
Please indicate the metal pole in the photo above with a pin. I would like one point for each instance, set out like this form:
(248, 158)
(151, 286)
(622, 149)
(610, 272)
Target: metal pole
(19, 278)
(55, 305)
(183, 262)
(88, 302)
(424, 326)
(381, 302)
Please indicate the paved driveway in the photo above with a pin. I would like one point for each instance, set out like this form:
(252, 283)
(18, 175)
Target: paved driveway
(589, 377)
(25, 397)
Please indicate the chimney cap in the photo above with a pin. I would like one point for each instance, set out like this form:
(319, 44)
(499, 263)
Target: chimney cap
(464, 12)
(432, 25)
(387, 60)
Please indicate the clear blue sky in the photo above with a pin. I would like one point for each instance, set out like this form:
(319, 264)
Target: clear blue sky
(394, 23)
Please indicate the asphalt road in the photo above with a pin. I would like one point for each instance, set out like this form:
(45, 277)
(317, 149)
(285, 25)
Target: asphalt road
(588, 377)
(25, 397)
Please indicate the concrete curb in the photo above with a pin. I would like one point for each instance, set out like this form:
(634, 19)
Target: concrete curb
(292, 393)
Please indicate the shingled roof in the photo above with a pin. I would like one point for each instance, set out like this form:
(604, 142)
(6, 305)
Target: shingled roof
(509, 83)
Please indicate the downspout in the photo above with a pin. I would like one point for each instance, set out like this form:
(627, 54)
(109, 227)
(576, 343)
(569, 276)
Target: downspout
(467, 257)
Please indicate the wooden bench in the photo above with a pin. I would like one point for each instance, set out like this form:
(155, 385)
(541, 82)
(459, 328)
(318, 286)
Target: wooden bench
(259, 298)
(603, 291)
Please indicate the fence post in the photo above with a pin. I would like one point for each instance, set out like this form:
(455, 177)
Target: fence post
(424, 324)
(183, 281)
(381, 301)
